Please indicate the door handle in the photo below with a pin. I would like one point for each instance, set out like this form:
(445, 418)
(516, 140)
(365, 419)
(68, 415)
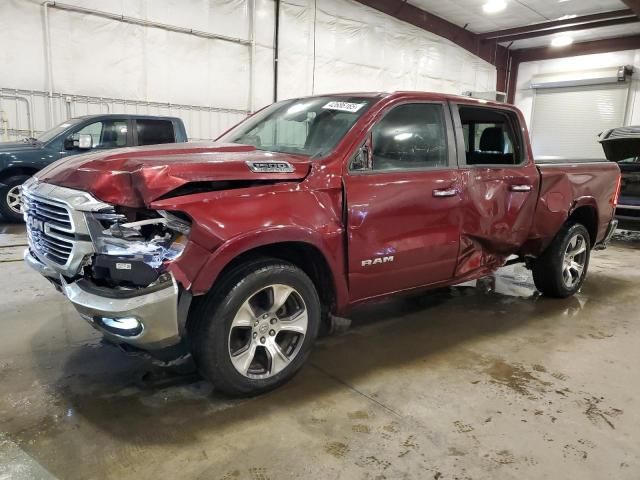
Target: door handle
(445, 192)
(520, 188)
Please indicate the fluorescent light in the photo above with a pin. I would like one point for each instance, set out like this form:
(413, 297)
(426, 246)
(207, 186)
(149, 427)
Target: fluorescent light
(561, 41)
(494, 6)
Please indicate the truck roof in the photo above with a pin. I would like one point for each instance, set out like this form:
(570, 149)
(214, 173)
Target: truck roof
(127, 116)
(415, 93)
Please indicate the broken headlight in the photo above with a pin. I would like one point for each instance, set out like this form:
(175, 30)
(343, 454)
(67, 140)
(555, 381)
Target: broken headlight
(135, 247)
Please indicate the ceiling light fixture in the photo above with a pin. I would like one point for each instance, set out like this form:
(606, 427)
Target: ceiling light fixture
(561, 41)
(494, 6)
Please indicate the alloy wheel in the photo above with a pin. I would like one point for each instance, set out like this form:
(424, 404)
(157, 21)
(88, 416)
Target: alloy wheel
(268, 331)
(14, 199)
(575, 258)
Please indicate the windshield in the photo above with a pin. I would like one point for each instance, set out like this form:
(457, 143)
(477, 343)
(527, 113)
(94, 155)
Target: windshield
(57, 130)
(307, 126)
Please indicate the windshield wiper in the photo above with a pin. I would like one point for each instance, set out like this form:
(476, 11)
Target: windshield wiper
(30, 140)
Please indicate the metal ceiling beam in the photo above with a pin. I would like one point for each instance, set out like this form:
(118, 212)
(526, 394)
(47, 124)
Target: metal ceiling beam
(577, 49)
(633, 5)
(571, 28)
(555, 26)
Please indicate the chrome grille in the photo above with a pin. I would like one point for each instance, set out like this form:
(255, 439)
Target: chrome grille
(54, 213)
(57, 226)
(49, 228)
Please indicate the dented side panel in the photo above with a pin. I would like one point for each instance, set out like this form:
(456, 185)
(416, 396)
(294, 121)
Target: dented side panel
(497, 214)
(566, 187)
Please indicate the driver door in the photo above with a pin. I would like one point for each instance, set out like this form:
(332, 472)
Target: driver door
(105, 134)
(403, 202)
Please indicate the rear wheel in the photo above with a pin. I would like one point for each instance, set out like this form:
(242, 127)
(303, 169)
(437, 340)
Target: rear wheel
(10, 198)
(561, 269)
(256, 328)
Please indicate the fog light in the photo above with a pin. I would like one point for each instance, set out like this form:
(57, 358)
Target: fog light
(124, 326)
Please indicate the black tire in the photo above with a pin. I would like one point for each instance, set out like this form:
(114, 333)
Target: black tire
(211, 319)
(548, 268)
(8, 213)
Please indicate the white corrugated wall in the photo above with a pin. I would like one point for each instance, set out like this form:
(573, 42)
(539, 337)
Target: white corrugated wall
(104, 65)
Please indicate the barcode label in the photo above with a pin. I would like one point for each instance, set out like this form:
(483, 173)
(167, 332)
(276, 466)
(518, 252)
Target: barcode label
(344, 106)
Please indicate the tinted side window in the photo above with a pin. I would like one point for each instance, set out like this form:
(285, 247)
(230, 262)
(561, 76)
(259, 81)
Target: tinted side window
(410, 136)
(151, 132)
(105, 134)
(489, 136)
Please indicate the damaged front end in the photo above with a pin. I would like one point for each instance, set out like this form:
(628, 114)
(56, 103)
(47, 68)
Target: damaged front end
(133, 248)
(112, 263)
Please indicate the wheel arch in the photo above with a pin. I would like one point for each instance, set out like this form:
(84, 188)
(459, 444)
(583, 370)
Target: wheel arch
(305, 256)
(300, 248)
(17, 170)
(586, 212)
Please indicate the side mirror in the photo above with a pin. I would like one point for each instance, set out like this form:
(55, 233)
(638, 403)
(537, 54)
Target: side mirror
(78, 142)
(85, 142)
(363, 160)
(360, 161)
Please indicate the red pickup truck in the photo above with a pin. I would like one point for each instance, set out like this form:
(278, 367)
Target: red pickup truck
(239, 251)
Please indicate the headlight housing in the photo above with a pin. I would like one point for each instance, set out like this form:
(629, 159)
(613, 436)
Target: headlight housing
(136, 246)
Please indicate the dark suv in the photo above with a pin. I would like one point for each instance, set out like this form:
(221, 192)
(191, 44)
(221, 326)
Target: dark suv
(20, 160)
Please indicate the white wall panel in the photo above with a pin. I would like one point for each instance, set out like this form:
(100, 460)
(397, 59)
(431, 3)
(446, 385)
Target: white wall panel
(325, 46)
(358, 49)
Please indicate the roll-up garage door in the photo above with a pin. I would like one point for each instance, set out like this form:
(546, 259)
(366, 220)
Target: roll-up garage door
(567, 120)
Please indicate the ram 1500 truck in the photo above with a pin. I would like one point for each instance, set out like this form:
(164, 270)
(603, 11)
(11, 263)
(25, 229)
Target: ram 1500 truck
(622, 145)
(238, 251)
(20, 160)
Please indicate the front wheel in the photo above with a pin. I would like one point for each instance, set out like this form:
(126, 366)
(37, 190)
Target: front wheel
(560, 271)
(255, 329)
(10, 198)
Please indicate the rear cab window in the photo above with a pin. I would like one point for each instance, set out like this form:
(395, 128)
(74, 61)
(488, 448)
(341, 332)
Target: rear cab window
(491, 136)
(152, 132)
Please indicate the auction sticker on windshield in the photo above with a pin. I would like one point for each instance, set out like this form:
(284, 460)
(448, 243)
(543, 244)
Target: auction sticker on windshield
(344, 106)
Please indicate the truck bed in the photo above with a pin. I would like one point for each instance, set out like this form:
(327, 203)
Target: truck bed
(566, 187)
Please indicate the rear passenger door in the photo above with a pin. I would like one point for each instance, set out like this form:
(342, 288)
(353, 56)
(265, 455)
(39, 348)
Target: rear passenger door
(152, 131)
(500, 183)
(403, 203)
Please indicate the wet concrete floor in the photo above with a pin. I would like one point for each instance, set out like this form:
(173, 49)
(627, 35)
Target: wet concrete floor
(487, 382)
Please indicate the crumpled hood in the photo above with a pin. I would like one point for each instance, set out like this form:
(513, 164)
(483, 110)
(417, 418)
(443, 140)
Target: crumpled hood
(135, 177)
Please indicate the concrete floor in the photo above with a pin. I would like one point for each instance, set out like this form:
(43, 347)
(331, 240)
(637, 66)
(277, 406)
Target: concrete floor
(463, 384)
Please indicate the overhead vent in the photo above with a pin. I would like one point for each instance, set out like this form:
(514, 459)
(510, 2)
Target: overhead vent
(582, 78)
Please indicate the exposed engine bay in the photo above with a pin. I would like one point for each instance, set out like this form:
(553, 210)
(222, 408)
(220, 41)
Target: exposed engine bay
(134, 246)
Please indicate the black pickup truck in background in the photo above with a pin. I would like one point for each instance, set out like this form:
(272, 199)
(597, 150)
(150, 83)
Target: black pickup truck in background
(622, 145)
(20, 160)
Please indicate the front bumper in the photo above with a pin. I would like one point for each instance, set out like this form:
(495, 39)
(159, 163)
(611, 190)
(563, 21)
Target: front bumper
(145, 318)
